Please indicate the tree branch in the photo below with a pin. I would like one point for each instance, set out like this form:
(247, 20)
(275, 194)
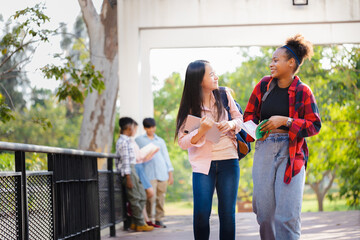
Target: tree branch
(16, 50)
(4, 77)
(332, 174)
(91, 17)
(13, 67)
(315, 187)
(12, 104)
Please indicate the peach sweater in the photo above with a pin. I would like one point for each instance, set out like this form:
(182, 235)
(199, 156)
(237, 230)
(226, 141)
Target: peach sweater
(203, 152)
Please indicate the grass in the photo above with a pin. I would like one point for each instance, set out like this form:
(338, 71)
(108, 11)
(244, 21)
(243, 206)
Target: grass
(179, 208)
(309, 205)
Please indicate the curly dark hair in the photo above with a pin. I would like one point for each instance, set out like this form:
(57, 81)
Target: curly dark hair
(125, 123)
(302, 48)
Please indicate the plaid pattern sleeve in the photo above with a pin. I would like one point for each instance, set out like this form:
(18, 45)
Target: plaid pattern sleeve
(126, 152)
(303, 109)
(305, 113)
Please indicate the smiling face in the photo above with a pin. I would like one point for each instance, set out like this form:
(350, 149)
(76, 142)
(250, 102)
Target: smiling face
(281, 66)
(210, 79)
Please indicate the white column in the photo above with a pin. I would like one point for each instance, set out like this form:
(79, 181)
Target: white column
(135, 86)
(146, 98)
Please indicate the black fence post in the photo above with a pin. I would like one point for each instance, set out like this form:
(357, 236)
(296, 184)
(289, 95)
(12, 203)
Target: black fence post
(22, 202)
(110, 162)
(127, 218)
(51, 166)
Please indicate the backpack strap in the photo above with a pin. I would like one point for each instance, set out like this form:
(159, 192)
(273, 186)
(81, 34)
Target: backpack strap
(225, 100)
(271, 87)
(243, 147)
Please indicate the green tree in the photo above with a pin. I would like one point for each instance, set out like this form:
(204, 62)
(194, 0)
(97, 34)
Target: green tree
(12, 87)
(248, 74)
(99, 111)
(333, 75)
(242, 82)
(12, 81)
(334, 88)
(166, 102)
(26, 31)
(63, 133)
(321, 165)
(334, 152)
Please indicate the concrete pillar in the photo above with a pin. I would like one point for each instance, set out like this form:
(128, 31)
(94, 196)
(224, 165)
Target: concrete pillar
(136, 99)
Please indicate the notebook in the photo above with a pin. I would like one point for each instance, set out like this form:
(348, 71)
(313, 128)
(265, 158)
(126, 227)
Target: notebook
(193, 122)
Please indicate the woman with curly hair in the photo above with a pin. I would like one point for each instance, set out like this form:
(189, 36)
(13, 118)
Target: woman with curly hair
(281, 155)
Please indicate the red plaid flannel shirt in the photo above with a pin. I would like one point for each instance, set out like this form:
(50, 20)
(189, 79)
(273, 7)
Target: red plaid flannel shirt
(304, 111)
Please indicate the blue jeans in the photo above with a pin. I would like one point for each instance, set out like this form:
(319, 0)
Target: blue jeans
(143, 178)
(224, 176)
(277, 205)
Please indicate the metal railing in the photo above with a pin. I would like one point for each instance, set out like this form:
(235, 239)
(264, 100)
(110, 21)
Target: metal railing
(71, 200)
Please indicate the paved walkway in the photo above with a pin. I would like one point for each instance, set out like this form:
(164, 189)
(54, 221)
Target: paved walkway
(315, 226)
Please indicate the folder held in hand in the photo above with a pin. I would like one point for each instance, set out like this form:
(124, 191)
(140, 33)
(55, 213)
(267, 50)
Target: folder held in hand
(192, 123)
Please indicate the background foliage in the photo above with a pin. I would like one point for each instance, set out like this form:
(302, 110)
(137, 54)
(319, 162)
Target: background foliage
(40, 118)
(22, 33)
(334, 76)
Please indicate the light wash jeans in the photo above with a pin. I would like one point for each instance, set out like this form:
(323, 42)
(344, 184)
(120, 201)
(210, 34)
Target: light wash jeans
(277, 205)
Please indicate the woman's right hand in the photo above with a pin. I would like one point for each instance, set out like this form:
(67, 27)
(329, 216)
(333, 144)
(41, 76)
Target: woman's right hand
(206, 124)
(265, 136)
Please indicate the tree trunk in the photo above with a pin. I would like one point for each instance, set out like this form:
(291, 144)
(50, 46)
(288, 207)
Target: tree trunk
(321, 191)
(99, 110)
(319, 197)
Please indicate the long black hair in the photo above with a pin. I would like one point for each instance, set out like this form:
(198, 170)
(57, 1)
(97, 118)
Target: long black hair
(192, 97)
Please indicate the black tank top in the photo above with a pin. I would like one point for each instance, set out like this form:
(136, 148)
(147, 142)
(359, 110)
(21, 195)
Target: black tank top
(276, 103)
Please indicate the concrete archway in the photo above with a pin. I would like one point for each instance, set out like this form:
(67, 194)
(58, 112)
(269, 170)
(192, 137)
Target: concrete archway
(147, 24)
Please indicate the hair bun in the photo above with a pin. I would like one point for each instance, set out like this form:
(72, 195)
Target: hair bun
(302, 48)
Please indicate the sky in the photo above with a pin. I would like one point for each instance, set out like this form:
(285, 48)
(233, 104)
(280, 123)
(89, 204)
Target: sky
(66, 11)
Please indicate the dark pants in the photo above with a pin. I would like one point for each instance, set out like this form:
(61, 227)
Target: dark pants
(224, 176)
(137, 198)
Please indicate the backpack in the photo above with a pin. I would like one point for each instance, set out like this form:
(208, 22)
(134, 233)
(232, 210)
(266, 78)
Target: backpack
(243, 147)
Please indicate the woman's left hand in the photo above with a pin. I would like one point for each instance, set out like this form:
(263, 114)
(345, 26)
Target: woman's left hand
(273, 123)
(225, 126)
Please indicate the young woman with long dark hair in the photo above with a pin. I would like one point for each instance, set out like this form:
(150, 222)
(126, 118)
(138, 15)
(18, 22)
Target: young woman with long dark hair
(281, 155)
(215, 165)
